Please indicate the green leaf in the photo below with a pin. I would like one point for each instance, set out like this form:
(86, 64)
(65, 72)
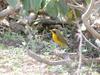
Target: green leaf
(12, 2)
(51, 8)
(35, 5)
(26, 5)
(87, 1)
(54, 7)
(43, 3)
(62, 7)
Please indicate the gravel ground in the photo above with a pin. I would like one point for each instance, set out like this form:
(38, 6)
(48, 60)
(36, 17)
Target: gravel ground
(16, 62)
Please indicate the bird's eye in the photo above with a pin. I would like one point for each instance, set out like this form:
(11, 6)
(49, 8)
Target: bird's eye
(54, 31)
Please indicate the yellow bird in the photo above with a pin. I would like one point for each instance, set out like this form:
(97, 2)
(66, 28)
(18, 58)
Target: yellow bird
(58, 38)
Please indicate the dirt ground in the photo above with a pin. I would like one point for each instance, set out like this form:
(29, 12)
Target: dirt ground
(15, 62)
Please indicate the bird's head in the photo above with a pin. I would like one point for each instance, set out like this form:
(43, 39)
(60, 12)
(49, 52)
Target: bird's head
(54, 31)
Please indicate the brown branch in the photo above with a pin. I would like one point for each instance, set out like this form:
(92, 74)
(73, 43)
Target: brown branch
(43, 60)
(8, 11)
(51, 22)
(80, 8)
(45, 22)
(73, 56)
(90, 43)
(80, 50)
(28, 19)
(85, 18)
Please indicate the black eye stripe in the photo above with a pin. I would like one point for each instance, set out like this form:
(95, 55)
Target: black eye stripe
(54, 31)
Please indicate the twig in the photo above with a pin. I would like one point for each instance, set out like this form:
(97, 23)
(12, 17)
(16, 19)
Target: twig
(78, 72)
(50, 22)
(90, 43)
(43, 60)
(80, 8)
(75, 2)
(85, 18)
(64, 61)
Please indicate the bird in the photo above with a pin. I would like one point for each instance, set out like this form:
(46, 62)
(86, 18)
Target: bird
(58, 38)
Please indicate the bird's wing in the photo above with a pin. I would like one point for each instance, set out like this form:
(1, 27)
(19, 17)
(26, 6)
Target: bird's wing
(64, 40)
